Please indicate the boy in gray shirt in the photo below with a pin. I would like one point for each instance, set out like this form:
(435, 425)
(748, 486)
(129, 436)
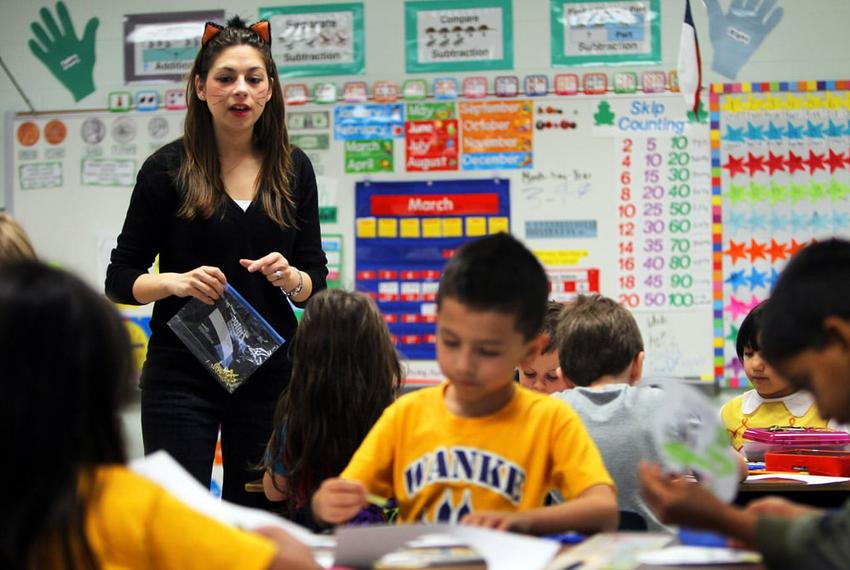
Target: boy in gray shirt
(601, 351)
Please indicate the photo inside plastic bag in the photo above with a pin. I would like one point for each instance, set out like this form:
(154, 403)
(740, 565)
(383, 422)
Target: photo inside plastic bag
(690, 437)
(230, 338)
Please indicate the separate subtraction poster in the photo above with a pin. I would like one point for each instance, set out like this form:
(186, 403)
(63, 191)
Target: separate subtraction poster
(405, 232)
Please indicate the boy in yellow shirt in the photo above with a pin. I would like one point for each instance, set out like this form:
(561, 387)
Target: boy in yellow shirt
(479, 449)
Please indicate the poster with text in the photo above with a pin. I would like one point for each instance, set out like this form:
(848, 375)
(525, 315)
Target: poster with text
(605, 32)
(317, 39)
(497, 135)
(431, 137)
(405, 232)
(458, 35)
(781, 180)
(161, 47)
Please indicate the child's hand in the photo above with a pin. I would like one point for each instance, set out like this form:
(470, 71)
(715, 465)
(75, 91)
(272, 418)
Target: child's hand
(676, 501)
(338, 500)
(499, 520)
(291, 553)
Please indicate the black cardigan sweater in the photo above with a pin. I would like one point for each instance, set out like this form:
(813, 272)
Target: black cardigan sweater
(152, 227)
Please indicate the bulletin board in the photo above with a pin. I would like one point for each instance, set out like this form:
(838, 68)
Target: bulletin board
(612, 192)
(780, 179)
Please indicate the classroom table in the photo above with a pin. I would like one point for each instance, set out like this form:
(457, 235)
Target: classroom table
(830, 496)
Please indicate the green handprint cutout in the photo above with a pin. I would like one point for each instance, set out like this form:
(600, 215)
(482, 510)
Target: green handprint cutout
(738, 33)
(70, 59)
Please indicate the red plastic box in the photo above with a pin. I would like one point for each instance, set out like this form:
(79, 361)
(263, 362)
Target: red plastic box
(812, 461)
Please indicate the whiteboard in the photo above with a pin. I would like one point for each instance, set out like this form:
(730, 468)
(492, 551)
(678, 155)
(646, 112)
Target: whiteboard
(599, 164)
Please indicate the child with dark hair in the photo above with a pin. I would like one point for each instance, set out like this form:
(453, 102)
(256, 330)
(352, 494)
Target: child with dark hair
(345, 371)
(543, 373)
(805, 336)
(230, 203)
(66, 370)
(478, 449)
(601, 352)
(773, 401)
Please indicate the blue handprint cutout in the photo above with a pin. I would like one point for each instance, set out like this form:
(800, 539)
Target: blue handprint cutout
(69, 59)
(738, 33)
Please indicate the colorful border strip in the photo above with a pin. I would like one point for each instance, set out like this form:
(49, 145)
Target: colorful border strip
(716, 90)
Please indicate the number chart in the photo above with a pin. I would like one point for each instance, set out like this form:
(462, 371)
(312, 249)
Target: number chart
(663, 223)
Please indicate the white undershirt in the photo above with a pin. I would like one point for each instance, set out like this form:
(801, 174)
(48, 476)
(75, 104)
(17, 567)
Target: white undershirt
(243, 204)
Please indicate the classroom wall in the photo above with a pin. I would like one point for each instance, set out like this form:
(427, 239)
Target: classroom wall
(808, 43)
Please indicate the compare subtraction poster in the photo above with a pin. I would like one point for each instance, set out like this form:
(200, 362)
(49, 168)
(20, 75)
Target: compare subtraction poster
(405, 232)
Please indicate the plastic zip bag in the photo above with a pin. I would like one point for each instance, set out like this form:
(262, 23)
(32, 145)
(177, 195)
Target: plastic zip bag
(230, 338)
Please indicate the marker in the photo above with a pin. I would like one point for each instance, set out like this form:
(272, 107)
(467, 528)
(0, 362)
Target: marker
(377, 500)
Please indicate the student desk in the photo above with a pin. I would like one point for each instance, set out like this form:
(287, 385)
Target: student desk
(830, 496)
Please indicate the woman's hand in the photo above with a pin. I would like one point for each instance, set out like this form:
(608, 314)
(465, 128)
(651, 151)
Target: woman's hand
(203, 283)
(276, 268)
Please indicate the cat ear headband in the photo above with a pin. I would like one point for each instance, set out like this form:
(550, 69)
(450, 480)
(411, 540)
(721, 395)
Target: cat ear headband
(261, 28)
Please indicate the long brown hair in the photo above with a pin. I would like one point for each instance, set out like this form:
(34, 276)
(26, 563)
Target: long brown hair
(345, 371)
(200, 173)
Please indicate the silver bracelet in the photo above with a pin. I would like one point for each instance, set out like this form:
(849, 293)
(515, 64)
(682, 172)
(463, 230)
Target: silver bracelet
(297, 289)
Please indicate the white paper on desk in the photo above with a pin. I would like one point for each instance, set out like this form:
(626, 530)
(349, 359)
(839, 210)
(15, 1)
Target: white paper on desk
(808, 479)
(363, 546)
(162, 469)
(611, 550)
(699, 556)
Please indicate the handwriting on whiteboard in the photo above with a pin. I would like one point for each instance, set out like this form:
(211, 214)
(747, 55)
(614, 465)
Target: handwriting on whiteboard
(545, 188)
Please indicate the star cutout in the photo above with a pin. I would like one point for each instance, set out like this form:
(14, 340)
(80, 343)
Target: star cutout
(754, 301)
(774, 132)
(732, 105)
(834, 130)
(835, 160)
(816, 191)
(777, 222)
(798, 192)
(778, 193)
(758, 192)
(794, 131)
(798, 223)
(736, 308)
(837, 190)
(757, 222)
(777, 250)
(734, 166)
(813, 102)
(733, 334)
(792, 102)
(775, 162)
(736, 193)
(755, 163)
(832, 102)
(734, 135)
(754, 133)
(840, 221)
(819, 222)
(736, 279)
(735, 221)
(752, 104)
(774, 275)
(815, 162)
(756, 278)
(736, 251)
(756, 250)
(796, 247)
(814, 131)
(794, 162)
(735, 365)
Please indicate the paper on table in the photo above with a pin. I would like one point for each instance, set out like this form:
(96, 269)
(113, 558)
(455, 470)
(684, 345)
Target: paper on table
(363, 546)
(809, 479)
(698, 555)
(612, 551)
(162, 469)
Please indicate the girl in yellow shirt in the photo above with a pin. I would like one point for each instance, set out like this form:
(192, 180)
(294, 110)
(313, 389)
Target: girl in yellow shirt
(772, 401)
